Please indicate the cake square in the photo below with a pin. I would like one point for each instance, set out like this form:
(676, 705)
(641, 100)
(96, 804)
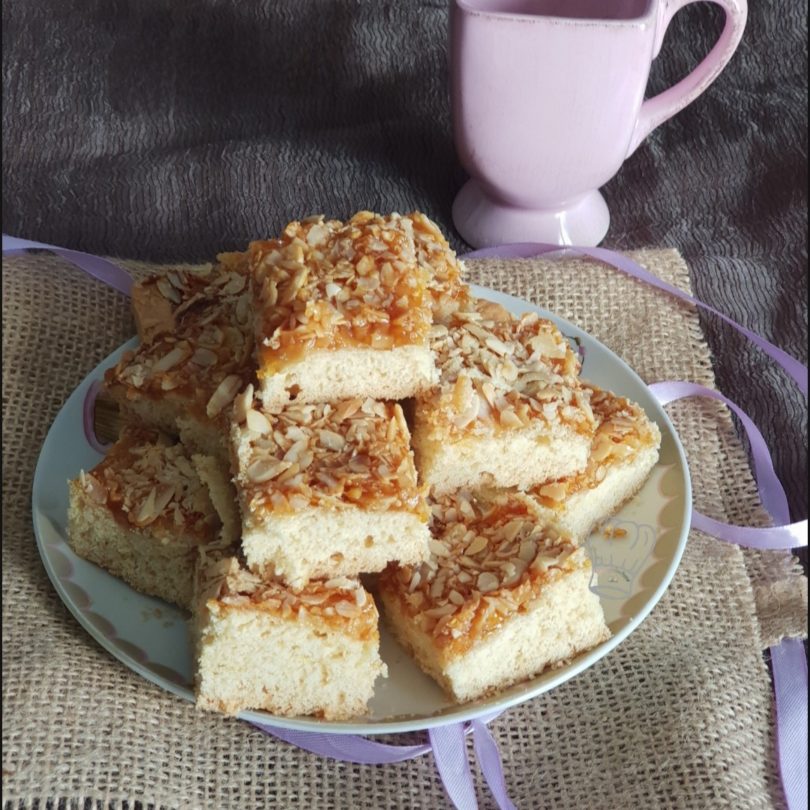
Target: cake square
(624, 451)
(509, 409)
(341, 311)
(262, 645)
(326, 489)
(143, 513)
(159, 301)
(502, 597)
(196, 357)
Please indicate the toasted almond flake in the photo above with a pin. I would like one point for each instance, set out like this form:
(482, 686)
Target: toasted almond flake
(347, 408)
(288, 475)
(257, 422)
(204, 357)
(497, 346)
(436, 588)
(163, 497)
(442, 610)
(235, 285)
(168, 291)
(455, 597)
(340, 584)
(265, 469)
(147, 512)
(243, 403)
(223, 396)
(509, 418)
(347, 609)
(477, 545)
(556, 490)
(317, 598)
(94, 488)
(305, 460)
(331, 440)
(438, 548)
(462, 393)
(366, 264)
(542, 562)
(487, 582)
(528, 550)
(295, 450)
(317, 235)
(175, 356)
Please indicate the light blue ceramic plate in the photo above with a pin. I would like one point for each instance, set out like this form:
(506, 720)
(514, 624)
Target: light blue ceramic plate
(150, 636)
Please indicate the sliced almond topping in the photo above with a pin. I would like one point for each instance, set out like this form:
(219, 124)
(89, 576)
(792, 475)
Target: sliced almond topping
(438, 548)
(266, 469)
(478, 544)
(331, 440)
(147, 512)
(455, 597)
(443, 610)
(235, 285)
(242, 404)
(556, 490)
(179, 353)
(340, 583)
(257, 422)
(223, 396)
(510, 419)
(347, 609)
(168, 291)
(94, 488)
(317, 598)
(487, 582)
(528, 550)
(204, 357)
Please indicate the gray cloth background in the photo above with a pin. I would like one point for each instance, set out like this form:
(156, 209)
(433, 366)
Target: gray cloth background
(170, 130)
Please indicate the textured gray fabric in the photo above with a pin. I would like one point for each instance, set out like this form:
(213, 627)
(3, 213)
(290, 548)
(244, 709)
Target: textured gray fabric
(170, 130)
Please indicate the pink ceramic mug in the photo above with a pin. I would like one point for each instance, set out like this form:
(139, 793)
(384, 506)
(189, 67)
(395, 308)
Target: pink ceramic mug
(548, 101)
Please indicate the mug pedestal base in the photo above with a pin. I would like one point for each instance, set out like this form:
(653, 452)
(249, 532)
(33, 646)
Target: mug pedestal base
(484, 222)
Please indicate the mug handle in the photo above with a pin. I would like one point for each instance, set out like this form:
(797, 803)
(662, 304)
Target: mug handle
(654, 111)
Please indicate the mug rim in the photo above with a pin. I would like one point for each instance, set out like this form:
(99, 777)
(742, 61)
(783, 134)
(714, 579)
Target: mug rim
(468, 8)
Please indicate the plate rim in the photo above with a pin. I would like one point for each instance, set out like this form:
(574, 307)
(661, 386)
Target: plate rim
(458, 714)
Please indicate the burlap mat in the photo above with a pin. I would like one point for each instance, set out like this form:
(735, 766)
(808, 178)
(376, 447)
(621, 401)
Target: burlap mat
(679, 716)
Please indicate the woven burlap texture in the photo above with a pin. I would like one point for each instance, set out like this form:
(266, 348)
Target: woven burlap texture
(679, 716)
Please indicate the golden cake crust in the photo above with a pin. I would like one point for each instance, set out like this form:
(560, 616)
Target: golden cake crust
(499, 373)
(200, 353)
(330, 285)
(489, 559)
(148, 481)
(623, 431)
(338, 604)
(351, 453)
(448, 293)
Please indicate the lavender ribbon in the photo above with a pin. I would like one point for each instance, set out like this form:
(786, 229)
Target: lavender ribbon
(102, 269)
(448, 742)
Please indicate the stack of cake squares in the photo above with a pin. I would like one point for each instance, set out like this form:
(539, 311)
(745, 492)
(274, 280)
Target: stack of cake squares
(335, 402)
